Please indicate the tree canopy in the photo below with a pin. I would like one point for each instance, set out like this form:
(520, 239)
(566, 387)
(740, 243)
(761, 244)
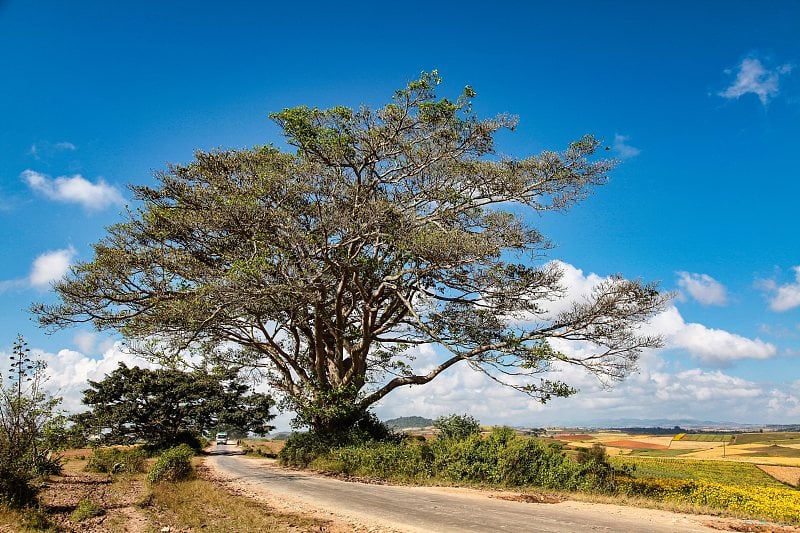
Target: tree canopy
(385, 229)
(164, 407)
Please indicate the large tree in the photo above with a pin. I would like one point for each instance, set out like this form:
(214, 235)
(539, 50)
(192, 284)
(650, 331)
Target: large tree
(164, 406)
(386, 229)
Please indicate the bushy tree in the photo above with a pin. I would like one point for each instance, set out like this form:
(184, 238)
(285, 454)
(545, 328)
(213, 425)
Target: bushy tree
(31, 426)
(457, 426)
(164, 407)
(386, 229)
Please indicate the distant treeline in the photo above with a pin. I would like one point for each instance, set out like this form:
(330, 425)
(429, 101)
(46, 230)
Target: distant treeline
(656, 430)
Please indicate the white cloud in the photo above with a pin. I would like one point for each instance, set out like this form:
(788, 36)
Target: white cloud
(709, 345)
(655, 392)
(50, 267)
(74, 189)
(68, 371)
(782, 297)
(623, 149)
(703, 288)
(47, 149)
(752, 77)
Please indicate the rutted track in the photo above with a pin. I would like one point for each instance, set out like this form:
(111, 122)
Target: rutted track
(446, 510)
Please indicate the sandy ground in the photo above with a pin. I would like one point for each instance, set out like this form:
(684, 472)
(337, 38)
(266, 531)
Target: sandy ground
(337, 522)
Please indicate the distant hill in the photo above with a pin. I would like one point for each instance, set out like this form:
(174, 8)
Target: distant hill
(683, 423)
(404, 422)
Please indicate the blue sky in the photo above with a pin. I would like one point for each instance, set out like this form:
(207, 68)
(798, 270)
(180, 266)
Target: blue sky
(701, 103)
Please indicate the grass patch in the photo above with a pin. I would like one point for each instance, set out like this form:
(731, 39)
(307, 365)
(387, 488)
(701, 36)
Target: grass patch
(199, 504)
(85, 510)
(724, 472)
(757, 438)
(23, 520)
(262, 448)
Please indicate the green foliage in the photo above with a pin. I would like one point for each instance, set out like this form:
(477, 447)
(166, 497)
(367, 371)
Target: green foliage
(117, 461)
(85, 510)
(457, 426)
(31, 428)
(16, 486)
(174, 464)
(166, 407)
(303, 448)
(35, 518)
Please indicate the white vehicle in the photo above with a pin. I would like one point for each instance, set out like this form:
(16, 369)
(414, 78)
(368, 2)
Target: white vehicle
(222, 438)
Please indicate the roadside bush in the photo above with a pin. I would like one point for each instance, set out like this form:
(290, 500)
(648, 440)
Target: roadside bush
(117, 461)
(302, 449)
(387, 460)
(174, 464)
(502, 458)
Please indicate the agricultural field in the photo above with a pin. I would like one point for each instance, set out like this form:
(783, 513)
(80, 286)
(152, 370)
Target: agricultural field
(724, 472)
(774, 437)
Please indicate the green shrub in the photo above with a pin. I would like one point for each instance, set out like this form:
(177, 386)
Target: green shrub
(36, 519)
(174, 464)
(502, 458)
(85, 510)
(117, 461)
(16, 487)
(386, 460)
(302, 449)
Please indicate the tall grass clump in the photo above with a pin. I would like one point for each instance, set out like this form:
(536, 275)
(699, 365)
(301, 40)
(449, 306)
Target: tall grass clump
(174, 464)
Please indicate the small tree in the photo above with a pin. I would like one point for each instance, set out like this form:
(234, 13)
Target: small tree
(31, 426)
(457, 426)
(164, 407)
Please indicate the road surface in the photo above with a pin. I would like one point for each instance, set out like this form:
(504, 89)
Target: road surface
(434, 509)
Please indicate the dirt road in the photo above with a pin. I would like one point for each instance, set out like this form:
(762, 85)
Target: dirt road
(430, 509)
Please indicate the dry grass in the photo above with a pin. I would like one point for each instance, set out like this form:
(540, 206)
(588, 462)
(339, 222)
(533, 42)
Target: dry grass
(202, 505)
(262, 447)
(787, 474)
(127, 504)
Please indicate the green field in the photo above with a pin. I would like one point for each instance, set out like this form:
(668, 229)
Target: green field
(756, 438)
(724, 472)
(707, 437)
(773, 451)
